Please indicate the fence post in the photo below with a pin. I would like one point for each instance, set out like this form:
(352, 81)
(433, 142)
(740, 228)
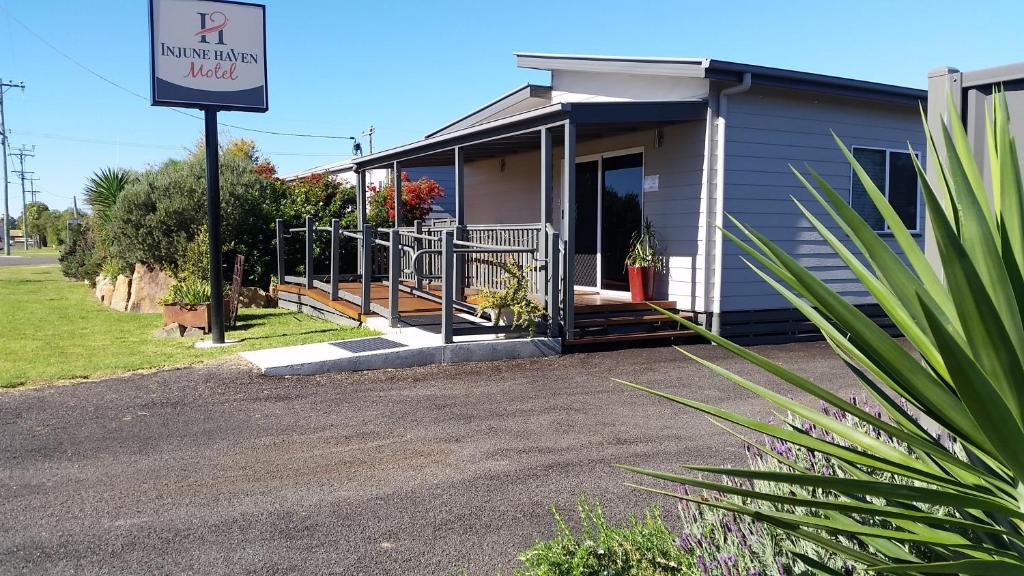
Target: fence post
(394, 276)
(460, 265)
(554, 258)
(417, 245)
(335, 258)
(448, 278)
(280, 250)
(310, 229)
(367, 272)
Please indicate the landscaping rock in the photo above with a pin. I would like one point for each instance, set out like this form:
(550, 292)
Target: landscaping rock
(149, 285)
(192, 332)
(173, 330)
(101, 282)
(121, 294)
(255, 297)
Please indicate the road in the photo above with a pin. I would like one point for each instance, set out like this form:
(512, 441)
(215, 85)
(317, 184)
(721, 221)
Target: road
(218, 470)
(14, 260)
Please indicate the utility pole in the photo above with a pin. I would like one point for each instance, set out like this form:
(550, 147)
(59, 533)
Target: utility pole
(32, 189)
(369, 133)
(22, 153)
(3, 143)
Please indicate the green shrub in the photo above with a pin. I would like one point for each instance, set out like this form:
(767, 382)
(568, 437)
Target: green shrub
(112, 268)
(162, 210)
(81, 259)
(515, 297)
(188, 291)
(195, 262)
(936, 507)
(640, 548)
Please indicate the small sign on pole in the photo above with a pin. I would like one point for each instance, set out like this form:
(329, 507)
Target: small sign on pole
(211, 55)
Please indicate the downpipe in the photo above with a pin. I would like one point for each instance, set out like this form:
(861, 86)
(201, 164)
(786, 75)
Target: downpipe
(723, 101)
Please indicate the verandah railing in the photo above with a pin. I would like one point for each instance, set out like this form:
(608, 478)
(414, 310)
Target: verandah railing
(412, 259)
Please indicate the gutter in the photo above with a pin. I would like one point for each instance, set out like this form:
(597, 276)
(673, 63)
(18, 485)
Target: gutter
(716, 300)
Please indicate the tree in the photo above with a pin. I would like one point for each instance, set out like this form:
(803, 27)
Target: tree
(417, 198)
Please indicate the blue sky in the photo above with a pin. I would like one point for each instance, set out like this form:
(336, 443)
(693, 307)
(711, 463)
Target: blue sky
(335, 67)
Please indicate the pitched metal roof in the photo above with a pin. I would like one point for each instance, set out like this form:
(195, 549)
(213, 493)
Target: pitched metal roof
(726, 71)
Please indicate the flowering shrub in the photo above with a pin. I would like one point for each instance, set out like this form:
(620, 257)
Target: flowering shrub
(417, 196)
(725, 543)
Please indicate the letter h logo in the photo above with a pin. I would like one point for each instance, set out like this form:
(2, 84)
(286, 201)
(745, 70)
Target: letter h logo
(209, 23)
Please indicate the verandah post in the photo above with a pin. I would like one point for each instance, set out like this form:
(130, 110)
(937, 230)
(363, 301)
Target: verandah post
(394, 276)
(448, 288)
(553, 281)
(335, 258)
(367, 271)
(569, 223)
(396, 175)
(417, 245)
(280, 250)
(310, 229)
(361, 214)
(460, 222)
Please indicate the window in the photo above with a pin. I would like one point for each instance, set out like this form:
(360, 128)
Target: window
(894, 174)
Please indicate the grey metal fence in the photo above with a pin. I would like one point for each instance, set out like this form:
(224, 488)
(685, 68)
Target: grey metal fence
(426, 257)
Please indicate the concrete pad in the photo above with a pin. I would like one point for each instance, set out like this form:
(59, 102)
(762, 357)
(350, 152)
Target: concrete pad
(419, 348)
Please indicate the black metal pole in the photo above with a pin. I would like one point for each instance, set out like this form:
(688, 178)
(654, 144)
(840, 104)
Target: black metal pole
(213, 223)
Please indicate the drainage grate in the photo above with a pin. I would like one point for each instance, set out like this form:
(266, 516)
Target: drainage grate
(367, 345)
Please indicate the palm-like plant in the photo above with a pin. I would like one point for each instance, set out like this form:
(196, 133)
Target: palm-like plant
(967, 377)
(104, 188)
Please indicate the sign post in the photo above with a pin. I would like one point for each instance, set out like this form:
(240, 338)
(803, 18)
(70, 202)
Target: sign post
(210, 55)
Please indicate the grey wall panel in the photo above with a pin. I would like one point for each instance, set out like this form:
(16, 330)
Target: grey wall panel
(769, 130)
(445, 176)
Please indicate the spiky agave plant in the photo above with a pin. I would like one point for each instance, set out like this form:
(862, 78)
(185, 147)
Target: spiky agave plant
(968, 378)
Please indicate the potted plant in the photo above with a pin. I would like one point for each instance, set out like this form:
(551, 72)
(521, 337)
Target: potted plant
(187, 303)
(641, 262)
(513, 305)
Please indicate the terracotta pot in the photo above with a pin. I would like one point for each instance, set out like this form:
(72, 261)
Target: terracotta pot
(641, 283)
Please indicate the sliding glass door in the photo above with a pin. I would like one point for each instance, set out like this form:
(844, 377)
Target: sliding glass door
(609, 210)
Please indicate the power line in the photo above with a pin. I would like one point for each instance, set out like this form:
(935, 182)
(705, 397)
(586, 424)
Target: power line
(76, 62)
(129, 144)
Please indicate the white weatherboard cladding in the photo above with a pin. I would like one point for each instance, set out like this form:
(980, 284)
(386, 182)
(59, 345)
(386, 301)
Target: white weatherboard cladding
(768, 130)
(176, 25)
(572, 86)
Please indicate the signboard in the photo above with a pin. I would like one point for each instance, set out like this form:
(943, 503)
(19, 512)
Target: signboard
(651, 182)
(208, 54)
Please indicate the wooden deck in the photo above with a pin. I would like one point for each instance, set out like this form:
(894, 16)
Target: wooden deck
(599, 318)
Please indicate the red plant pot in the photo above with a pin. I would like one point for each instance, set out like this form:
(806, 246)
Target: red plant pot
(641, 283)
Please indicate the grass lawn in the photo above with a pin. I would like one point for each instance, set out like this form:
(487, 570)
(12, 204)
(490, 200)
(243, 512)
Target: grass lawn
(55, 329)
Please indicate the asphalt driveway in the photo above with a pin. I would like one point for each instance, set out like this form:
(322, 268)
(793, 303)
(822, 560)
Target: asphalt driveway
(217, 470)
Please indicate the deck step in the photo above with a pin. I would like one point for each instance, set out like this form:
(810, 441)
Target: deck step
(628, 337)
(623, 307)
(621, 320)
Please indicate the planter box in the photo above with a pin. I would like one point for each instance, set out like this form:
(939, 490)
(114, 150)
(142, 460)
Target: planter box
(641, 283)
(191, 315)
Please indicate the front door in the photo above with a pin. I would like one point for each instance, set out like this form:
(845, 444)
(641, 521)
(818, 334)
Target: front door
(609, 210)
(587, 215)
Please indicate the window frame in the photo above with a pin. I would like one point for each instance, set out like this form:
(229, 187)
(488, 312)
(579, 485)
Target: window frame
(888, 152)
